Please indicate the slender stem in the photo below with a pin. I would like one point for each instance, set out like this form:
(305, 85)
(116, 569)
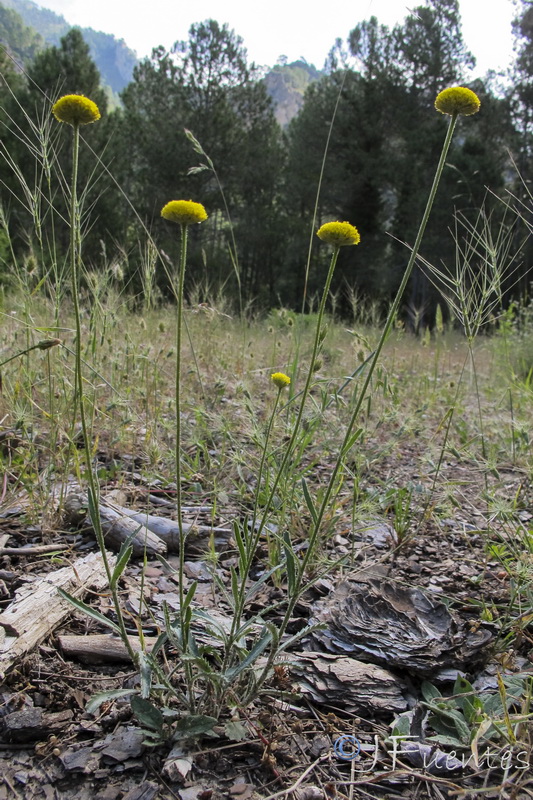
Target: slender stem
(263, 457)
(178, 289)
(386, 331)
(478, 400)
(315, 529)
(288, 451)
(75, 254)
(319, 188)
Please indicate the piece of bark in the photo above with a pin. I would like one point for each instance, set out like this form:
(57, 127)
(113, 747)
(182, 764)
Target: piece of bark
(123, 744)
(381, 621)
(147, 790)
(100, 648)
(38, 608)
(352, 685)
(30, 724)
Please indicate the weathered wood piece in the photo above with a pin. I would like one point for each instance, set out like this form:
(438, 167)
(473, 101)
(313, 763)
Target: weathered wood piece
(38, 608)
(348, 684)
(155, 534)
(29, 724)
(33, 550)
(117, 527)
(196, 536)
(100, 648)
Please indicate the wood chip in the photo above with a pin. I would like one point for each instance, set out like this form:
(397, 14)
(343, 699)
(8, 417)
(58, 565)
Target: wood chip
(38, 608)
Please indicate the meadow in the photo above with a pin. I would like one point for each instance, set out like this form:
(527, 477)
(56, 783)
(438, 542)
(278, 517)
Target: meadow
(363, 488)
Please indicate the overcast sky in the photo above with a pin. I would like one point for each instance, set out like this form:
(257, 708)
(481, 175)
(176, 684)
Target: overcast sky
(281, 27)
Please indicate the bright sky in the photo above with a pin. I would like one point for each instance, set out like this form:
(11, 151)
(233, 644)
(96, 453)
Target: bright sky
(282, 27)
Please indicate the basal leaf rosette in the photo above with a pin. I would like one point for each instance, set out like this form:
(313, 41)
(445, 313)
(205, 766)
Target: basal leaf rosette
(184, 212)
(457, 100)
(75, 109)
(339, 234)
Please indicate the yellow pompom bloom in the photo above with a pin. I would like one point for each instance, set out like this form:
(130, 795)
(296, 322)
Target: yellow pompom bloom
(184, 211)
(76, 110)
(339, 234)
(457, 100)
(280, 380)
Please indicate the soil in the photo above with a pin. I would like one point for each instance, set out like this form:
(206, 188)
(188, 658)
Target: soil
(52, 748)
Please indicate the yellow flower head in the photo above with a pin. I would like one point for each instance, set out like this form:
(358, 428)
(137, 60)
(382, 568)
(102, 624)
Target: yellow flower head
(184, 211)
(457, 100)
(280, 380)
(76, 110)
(339, 234)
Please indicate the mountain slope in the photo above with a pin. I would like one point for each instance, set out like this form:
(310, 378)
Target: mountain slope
(22, 42)
(286, 85)
(113, 57)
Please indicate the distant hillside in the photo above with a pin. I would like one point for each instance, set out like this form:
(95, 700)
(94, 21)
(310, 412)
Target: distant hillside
(112, 56)
(21, 41)
(286, 85)
(26, 28)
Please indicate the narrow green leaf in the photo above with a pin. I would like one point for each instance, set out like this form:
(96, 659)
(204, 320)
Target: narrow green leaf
(189, 596)
(259, 647)
(91, 612)
(213, 625)
(290, 563)
(92, 504)
(353, 439)
(318, 626)
(161, 640)
(240, 544)
(309, 501)
(121, 565)
(145, 670)
(234, 588)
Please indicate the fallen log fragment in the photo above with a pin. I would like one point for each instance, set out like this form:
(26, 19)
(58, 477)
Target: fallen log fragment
(100, 648)
(118, 527)
(38, 608)
(30, 724)
(153, 534)
(196, 536)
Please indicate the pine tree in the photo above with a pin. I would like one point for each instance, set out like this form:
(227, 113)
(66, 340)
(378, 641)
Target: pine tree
(205, 85)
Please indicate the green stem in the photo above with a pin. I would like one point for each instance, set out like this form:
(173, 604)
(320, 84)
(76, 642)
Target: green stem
(256, 537)
(362, 394)
(263, 458)
(75, 255)
(178, 289)
(385, 333)
(177, 395)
